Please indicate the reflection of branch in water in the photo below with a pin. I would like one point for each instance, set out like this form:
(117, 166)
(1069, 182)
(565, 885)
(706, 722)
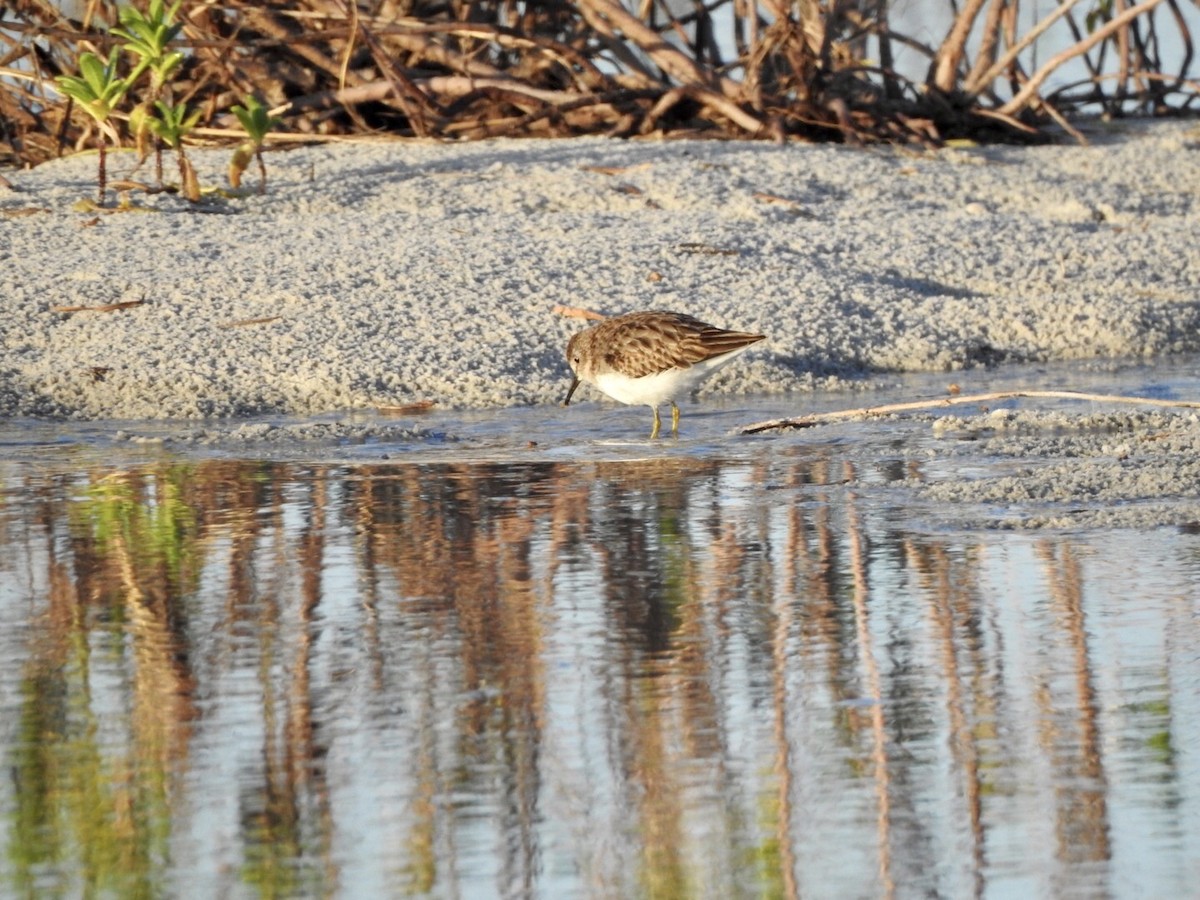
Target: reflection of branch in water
(305, 752)
(139, 553)
(162, 689)
(862, 591)
(1082, 822)
(633, 533)
(946, 595)
(459, 539)
(286, 814)
(813, 542)
(108, 709)
(367, 566)
(505, 642)
(663, 870)
(784, 760)
(694, 675)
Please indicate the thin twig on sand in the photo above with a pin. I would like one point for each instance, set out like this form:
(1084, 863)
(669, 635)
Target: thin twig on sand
(820, 418)
(576, 312)
(107, 307)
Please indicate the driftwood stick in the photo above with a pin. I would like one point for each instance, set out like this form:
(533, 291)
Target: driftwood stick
(106, 307)
(577, 312)
(818, 418)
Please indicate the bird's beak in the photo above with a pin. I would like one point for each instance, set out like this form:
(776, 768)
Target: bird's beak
(571, 392)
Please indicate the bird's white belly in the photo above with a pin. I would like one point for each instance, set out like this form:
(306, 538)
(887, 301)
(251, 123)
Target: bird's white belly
(669, 385)
(652, 390)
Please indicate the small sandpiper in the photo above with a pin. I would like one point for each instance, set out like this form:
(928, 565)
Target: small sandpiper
(652, 357)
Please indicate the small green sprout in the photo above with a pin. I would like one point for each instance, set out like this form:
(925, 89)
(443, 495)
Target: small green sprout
(98, 89)
(146, 36)
(256, 122)
(172, 125)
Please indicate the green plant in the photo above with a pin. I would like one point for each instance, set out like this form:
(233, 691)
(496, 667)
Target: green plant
(98, 89)
(172, 125)
(256, 122)
(147, 36)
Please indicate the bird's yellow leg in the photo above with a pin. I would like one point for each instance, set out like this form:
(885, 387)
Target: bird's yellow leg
(657, 424)
(674, 419)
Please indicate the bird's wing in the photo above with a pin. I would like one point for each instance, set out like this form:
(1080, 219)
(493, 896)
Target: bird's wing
(654, 343)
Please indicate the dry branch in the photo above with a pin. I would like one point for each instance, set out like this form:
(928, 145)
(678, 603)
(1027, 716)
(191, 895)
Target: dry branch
(837, 415)
(1016, 48)
(727, 68)
(950, 54)
(1031, 87)
(408, 409)
(702, 85)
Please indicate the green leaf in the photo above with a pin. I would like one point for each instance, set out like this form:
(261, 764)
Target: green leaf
(255, 119)
(97, 89)
(96, 73)
(169, 64)
(1102, 12)
(147, 35)
(173, 123)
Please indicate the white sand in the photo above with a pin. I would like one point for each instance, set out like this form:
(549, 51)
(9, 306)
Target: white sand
(400, 272)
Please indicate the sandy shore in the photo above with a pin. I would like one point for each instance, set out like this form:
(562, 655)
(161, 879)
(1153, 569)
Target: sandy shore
(388, 273)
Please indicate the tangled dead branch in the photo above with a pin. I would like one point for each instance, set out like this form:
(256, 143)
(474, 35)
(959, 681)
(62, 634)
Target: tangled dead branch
(729, 68)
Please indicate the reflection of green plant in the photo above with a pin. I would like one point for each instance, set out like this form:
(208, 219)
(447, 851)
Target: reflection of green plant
(98, 89)
(172, 125)
(75, 805)
(146, 36)
(256, 122)
(87, 807)
(161, 531)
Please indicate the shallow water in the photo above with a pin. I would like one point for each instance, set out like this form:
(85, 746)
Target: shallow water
(596, 666)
